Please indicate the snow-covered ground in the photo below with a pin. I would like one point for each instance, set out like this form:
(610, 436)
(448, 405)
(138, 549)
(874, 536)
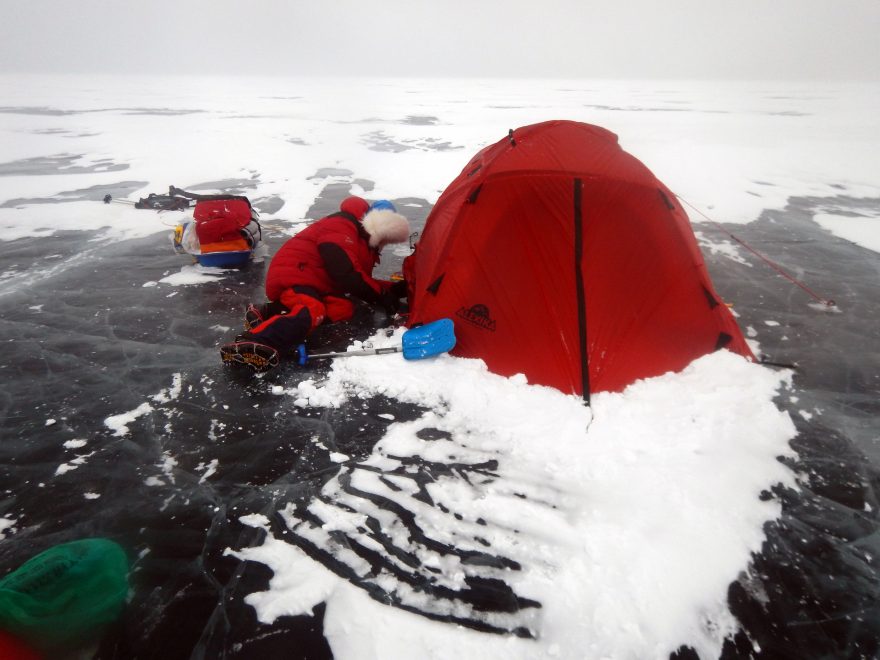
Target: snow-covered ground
(627, 521)
(731, 149)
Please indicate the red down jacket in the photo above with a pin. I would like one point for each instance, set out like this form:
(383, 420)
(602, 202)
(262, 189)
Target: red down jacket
(332, 256)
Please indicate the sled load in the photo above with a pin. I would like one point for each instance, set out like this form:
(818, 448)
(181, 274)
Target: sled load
(223, 233)
(562, 257)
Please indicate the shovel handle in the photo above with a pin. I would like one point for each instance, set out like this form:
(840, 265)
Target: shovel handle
(302, 355)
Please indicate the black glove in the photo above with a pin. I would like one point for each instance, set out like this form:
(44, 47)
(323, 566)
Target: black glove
(390, 302)
(399, 289)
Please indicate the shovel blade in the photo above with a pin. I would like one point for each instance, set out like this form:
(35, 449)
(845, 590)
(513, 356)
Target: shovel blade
(429, 339)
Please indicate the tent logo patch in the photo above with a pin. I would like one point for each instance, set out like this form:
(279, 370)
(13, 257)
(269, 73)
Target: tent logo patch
(477, 315)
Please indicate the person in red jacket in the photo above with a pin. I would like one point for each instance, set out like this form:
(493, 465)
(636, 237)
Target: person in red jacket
(312, 275)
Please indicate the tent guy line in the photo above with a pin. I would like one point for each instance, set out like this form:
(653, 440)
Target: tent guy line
(775, 266)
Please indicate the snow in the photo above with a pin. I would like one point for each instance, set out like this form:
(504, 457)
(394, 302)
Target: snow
(209, 470)
(861, 230)
(119, 423)
(581, 500)
(581, 497)
(629, 519)
(7, 526)
(195, 274)
(723, 247)
(172, 393)
(730, 149)
(298, 585)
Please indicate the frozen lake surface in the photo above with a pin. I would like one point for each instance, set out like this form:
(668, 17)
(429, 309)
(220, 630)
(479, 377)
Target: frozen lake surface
(373, 508)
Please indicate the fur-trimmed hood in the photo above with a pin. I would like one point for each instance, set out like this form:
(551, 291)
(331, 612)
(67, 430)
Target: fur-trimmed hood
(386, 226)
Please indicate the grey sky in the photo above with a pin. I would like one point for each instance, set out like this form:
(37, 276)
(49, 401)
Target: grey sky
(748, 39)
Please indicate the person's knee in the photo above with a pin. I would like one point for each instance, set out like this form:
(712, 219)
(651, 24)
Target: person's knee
(284, 332)
(338, 308)
(298, 301)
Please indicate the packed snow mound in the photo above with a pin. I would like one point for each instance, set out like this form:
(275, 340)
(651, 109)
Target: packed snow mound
(606, 532)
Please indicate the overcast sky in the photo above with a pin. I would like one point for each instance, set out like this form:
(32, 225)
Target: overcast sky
(730, 39)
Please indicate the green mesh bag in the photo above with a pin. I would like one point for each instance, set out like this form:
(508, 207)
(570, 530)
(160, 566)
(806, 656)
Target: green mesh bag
(65, 595)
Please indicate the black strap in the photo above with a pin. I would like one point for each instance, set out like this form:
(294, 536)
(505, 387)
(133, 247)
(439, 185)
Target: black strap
(723, 340)
(472, 198)
(579, 283)
(669, 204)
(307, 291)
(434, 287)
(710, 298)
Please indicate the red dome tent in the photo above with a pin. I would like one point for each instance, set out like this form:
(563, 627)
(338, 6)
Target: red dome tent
(562, 257)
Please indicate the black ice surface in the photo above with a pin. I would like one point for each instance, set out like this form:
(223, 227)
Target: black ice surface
(83, 339)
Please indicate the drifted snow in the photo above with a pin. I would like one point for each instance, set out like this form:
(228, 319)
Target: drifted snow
(630, 519)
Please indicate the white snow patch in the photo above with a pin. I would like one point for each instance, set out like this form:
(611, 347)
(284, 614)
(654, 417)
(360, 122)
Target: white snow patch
(299, 583)
(310, 394)
(209, 470)
(195, 274)
(632, 517)
(723, 247)
(7, 526)
(119, 423)
(823, 307)
(172, 393)
(863, 230)
(256, 520)
(76, 443)
(168, 464)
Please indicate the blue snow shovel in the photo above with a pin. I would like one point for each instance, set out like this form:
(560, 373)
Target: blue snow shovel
(421, 342)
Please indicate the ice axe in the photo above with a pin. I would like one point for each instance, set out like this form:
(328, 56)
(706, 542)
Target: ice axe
(418, 343)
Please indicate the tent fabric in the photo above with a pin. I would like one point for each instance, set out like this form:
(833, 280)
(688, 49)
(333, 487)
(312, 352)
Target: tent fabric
(562, 257)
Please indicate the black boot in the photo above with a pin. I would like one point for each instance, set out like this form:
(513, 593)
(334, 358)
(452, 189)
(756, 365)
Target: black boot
(254, 315)
(246, 353)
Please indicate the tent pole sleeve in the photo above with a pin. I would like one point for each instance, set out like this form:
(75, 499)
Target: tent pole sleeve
(579, 283)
